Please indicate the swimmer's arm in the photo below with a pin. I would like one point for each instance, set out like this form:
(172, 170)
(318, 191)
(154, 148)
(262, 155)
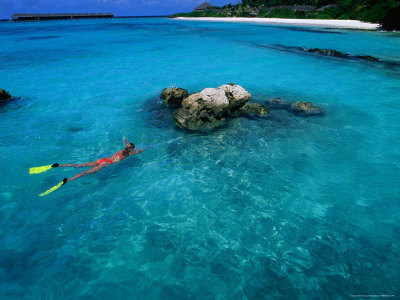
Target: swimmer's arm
(136, 152)
(139, 151)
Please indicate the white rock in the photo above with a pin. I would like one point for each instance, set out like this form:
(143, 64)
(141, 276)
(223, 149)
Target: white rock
(217, 96)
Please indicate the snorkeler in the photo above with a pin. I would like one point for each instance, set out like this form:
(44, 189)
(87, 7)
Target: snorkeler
(97, 165)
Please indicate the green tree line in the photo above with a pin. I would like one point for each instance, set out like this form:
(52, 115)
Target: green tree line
(364, 10)
(386, 12)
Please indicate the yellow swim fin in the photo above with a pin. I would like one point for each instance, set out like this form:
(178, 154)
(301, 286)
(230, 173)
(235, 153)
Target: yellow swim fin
(56, 187)
(37, 170)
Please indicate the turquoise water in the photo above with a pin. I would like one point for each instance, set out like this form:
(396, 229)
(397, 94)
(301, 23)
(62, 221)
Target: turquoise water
(277, 207)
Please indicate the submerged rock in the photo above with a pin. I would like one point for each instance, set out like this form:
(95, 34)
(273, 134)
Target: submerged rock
(299, 107)
(254, 109)
(368, 57)
(278, 103)
(173, 97)
(4, 95)
(306, 108)
(210, 108)
(328, 52)
(335, 53)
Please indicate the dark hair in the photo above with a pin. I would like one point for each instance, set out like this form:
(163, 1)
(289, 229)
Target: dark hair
(129, 146)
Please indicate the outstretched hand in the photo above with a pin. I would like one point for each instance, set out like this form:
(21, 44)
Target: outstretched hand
(141, 150)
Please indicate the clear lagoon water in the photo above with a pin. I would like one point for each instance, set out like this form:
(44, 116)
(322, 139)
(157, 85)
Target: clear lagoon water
(278, 207)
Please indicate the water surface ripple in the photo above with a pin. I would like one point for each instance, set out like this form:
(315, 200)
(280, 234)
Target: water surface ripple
(263, 208)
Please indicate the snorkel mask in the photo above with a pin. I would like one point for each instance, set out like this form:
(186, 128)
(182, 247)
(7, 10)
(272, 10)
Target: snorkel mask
(126, 145)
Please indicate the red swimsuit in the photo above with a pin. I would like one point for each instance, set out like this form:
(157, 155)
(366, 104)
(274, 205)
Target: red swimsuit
(104, 160)
(118, 156)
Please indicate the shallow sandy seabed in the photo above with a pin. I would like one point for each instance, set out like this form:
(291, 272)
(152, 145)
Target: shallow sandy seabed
(348, 24)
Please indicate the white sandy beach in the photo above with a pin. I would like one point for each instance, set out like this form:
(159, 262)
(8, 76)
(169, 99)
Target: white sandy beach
(347, 24)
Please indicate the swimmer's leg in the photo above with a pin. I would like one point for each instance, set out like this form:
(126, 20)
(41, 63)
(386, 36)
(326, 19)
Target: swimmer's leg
(93, 170)
(88, 164)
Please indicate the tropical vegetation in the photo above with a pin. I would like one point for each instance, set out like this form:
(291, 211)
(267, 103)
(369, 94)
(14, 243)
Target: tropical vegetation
(377, 11)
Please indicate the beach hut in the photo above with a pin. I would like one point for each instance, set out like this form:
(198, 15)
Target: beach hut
(203, 7)
(322, 8)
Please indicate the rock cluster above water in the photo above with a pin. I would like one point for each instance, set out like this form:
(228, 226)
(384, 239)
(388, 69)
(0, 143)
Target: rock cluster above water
(204, 110)
(4, 95)
(212, 107)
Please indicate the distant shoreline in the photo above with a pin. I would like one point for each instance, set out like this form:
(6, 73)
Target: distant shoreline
(75, 19)
(343, 24)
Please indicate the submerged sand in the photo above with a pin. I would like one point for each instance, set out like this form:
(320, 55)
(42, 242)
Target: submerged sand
(346, 24)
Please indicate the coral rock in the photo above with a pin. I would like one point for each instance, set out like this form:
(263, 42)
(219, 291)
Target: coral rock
(254, 109)
(173, 97)
(306, 108)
